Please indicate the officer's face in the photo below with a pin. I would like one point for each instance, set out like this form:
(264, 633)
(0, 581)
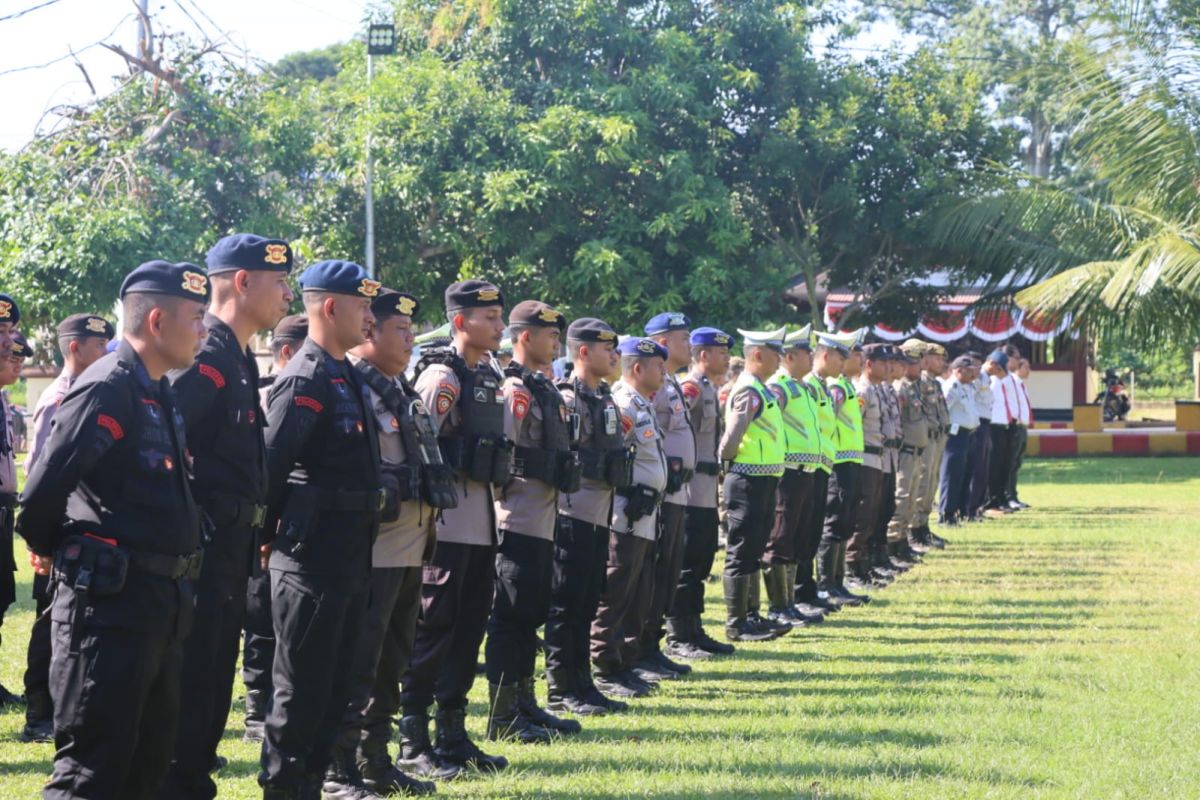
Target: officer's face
(7, 329)
(769, 358)
(834, 362)
(678, 344)
(8, 370)
(352, 319)
(599, 358)
(393, 341)
(180, 331)
(268, 296)
(541, 344)
(484, 327)
(17, 364)
(799, 363)
(653, 370)
(876, 369)
(852, 364)
(88, 350)
(937, 364)
(718, 360)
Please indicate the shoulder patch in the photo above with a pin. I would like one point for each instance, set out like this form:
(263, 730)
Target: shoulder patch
(521, 400)
(112, 426)
(691, 389)
(309, 403)
(626, 423)
(213, 374)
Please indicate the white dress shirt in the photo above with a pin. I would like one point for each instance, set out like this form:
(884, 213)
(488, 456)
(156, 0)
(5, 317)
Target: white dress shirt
(1004, 400)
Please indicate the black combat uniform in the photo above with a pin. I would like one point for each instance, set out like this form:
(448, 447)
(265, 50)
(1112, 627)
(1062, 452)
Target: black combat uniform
(323, 502)
(219, 400)
(109, 498)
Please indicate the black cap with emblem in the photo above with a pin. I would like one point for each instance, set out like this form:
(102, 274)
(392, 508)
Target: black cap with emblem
(590, 329)
(162, 277)
(536, 314)
(85, 325)
(473, 294)
(390, 303)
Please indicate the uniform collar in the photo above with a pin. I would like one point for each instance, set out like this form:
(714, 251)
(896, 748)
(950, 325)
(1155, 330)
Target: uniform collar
(218, 328)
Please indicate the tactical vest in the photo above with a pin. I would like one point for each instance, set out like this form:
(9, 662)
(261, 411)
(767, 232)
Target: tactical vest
(761, 450)
(801, 434)
(552, 461)
(849, 426)
(608, 459)
(479, 447)
(425, 476)
(826, 420)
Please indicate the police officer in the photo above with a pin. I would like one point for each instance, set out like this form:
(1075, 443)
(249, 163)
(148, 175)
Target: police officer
(915, 432)
(537, 421)
(81, 340)
(462, 393)
(686, 637)
(258, 650)
(218, 397)
(960, 401)
(752, 447)
(581, 538)
(10, 315)
(794, 496)
(939, 424)
(417, 484)
(670, 330)
(828, 357)
(871, 482)
(841, 501)
(881, 569)
(616, 631)
(109, 501)
(323, 501)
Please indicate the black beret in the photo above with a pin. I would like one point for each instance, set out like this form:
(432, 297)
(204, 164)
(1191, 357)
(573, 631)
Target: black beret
(84, 325)
(9, 311)
(590, 329)
(293, 327)
(162, 277)
(20, 347)
(875, 352)
(339, 277)
(250, 252)
(536, 314)
(473, 294)
(390, 303)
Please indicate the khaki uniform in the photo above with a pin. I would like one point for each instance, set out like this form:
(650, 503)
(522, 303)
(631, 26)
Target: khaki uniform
(914, 430)
(679, 441)
(871, 402)
(936, 418)
(405, 542)
(650, 461)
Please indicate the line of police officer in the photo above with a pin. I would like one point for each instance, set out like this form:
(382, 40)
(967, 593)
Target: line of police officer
(385, 527)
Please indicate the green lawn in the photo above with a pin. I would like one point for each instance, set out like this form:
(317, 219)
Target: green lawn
(1051, 654)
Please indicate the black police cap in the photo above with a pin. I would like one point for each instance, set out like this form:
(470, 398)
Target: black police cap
(590, 329)
(390, 303)
(536, 314)
(9, 311)
(20, 347)
(162, 277)
(250, 252)
(85, 325)
(472, 294)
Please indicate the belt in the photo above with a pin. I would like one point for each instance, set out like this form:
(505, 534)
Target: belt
(872, 450)
(687, 474)
(893, 443)
(8, 500)
(348, 499)
(247, 513)
(708, 468)
(911, 449)
(174, 567)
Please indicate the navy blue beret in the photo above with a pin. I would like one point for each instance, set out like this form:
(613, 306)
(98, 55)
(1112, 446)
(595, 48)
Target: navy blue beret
(20, 347)
(473, 294)
(642, 348)
(84, 325)
(390, 303)
(162, 277)
(293, 327)
(9, 311)
(250, 252)
(667, 321)
(590, 329)
(339, 277)
(711, 337)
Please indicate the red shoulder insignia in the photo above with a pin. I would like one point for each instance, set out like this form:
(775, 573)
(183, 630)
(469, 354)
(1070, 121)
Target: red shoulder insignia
(691, 390)
(520, 403)
(309, 402)
(112, 426)
(213, 374)
(626, 424)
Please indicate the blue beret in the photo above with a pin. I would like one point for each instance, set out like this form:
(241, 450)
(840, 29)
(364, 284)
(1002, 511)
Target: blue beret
(85, 325)
(339, 277)
(162, 277)
(590, 329)
(9, 312)
(667, 321)
(390, 303)
(250, 252)
(472, 294)
(711, 337)
(641, 348)
(1000, 357)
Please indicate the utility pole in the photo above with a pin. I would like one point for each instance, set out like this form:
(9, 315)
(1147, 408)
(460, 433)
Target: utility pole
(381, 41)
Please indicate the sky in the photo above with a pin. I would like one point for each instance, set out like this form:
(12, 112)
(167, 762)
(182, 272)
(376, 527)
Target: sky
(265, 29)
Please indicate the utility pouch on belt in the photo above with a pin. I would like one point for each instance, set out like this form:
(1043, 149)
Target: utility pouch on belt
(298, 518)
(618, 467)
(401, 484)
(674, 474)
(642, 500)
(569, 471)
(92, 567)
(437, 486)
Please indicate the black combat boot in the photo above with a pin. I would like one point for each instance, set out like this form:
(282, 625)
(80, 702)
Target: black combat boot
(505, 720)
(418, 756)
(39, 718)
(563, 695)
(256, 715)
(779, 610)
(849, 598)
(586, 688)
(455, 749)
(383, 777)
(706, 642)
(738, 628)
(681, 642)
(527, 704)
(343, 781)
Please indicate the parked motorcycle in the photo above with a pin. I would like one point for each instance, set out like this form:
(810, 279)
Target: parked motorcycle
(1113, 398)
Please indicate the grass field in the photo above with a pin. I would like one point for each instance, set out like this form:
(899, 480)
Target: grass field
(1052, 654)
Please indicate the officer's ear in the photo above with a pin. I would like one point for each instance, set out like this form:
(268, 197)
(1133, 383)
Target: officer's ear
(241, 280)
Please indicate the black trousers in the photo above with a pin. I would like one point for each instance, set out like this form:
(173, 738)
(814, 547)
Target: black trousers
(38, 705)
(750, 510)
(887, 509)
(841, 502)
(980, 455)
(792, 496)
(1020, 441)
(810, 530)
(384, 651)
(999, 466)
(580, 561)
(258, 651)
(116, 700)
(210, 656)
(668, 563)
(457, 586)
(318, 620)
(866, 515)
(617, 629)
(955, 475)
(700, 527)
(523, 569)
